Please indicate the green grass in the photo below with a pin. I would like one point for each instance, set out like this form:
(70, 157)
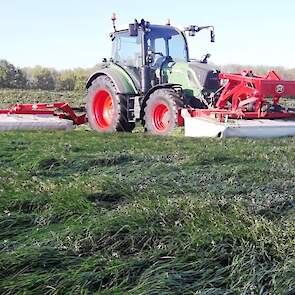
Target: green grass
(83, 213)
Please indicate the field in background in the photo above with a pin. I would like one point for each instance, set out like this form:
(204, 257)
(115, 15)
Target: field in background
(8, 96)
(83, 213)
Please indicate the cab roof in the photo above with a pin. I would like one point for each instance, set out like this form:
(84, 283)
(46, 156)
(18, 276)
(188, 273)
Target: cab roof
(153, 27)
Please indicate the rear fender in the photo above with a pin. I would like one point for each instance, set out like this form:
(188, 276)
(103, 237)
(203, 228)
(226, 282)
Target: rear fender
(122, 81)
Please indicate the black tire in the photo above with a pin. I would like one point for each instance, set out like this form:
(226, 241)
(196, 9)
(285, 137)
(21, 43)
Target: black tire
(161, 112)
(106, 110)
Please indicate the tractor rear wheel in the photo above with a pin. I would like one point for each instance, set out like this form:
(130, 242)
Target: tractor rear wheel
(161, 111)
(106, 110)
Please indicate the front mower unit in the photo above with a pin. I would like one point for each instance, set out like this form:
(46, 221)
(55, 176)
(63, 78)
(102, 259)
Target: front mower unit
(249, 106)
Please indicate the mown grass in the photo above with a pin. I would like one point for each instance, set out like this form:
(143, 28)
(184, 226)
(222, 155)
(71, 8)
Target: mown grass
(83, 213)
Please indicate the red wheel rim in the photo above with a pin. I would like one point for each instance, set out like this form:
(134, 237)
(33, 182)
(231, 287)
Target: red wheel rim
(103, 109)
(161, 117)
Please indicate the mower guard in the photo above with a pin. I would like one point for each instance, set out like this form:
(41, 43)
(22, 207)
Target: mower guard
(40, 116)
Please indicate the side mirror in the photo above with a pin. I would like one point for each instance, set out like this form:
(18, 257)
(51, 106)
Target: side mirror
(212, 35)
(133, 30)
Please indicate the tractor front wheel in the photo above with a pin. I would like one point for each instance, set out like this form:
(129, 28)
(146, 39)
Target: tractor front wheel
(161, 112)
(106, 110)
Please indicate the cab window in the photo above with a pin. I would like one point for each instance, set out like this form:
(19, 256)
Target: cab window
(177, 49)
(127, 50)
(169, 42)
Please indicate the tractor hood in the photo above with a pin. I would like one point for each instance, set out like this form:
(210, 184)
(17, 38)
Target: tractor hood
(204, 75)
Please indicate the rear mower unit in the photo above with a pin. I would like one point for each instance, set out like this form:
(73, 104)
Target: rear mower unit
(151, 78)
(40, 116)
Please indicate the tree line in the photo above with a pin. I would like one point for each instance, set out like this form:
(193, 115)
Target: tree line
(12, 77)
(42, 78)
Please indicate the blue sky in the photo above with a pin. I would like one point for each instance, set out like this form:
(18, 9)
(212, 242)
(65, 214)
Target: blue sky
(75, 33)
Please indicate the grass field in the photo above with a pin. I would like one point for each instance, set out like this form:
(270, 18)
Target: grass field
(82, 213)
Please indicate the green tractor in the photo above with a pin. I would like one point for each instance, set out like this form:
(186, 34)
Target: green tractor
(149, 78)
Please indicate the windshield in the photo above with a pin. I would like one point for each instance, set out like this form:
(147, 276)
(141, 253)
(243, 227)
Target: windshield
(127, 50)
(167, 42)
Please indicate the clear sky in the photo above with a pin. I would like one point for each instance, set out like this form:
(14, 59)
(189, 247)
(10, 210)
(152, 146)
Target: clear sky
(75, 33)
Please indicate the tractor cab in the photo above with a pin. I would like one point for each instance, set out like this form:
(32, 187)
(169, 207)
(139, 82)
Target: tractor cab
(155, 54)
(150, 47)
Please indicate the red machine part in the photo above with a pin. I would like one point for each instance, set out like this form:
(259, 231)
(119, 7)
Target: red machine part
(59, 109)
(245, 96)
